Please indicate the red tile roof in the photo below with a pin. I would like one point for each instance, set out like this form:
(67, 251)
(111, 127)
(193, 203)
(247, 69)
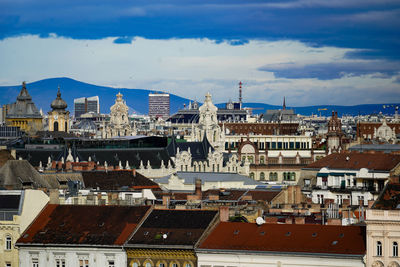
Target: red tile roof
(294, 238)
(356, 161)
(83, 225)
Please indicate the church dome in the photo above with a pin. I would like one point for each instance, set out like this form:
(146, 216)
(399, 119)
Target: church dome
(58, 103)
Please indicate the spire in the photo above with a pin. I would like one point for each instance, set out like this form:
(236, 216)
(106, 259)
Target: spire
(240, 93)
(284, 104)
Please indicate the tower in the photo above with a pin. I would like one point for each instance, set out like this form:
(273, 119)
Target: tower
(58, 116)
(240, 94)
(284, 103)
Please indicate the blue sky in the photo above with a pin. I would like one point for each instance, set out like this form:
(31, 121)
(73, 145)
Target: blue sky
(311, 51)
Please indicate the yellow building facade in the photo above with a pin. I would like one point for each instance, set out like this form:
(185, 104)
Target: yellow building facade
(24, 114)
(58, 117)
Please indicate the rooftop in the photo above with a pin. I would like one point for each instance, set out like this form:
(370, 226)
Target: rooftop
(287, 238)
(83, 225)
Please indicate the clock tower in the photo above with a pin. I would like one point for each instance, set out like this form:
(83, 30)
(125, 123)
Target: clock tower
(58, 116)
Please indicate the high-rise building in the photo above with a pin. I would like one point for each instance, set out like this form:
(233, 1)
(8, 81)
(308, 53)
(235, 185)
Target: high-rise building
(86, 104)
(159, 105)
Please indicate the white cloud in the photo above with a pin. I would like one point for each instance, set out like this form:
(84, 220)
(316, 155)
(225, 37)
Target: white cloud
(188, 67)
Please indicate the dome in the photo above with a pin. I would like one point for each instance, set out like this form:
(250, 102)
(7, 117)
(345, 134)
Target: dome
(58, 103)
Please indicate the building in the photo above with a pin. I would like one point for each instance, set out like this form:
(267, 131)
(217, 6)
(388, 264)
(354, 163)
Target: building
(255, 244)
(78, 235)
(357, 177)
(168, 238)
(58, 116)
(210, 180)
(159, 105)
(380, 131)
(334, 135)
(86, 104)
(24, 114)
(383, 228)
(18, 208)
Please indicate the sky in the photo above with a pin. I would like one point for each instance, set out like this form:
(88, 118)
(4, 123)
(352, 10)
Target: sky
(342, 52)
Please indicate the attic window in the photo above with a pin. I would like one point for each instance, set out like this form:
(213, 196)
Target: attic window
(146, 233)
(189, 233)
(314, 234)
(341, 235)
(62, 224)
(101, 224)
(262, 233)
(288, 234)
(236, 232)
(334, 242)
(26, 235)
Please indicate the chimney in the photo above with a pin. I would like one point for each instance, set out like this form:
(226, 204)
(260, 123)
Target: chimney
(334, 221)
(166, 201)
(224, 213)
(198, 188)
(54, 196)
(299, 220)
(288, 220)
(134, 172)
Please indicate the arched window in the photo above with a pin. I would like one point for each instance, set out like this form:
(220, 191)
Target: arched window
(252, 175)
(8, 242)
(55, 126)
(379, 248)
(395, 249)
(262, 176)
(262, 160)
(66, 127)
(293, 176)
(194, 167)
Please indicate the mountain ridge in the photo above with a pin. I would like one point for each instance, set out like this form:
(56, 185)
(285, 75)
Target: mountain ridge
(44, 91)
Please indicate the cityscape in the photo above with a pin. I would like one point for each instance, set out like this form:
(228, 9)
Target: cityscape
(200, 134)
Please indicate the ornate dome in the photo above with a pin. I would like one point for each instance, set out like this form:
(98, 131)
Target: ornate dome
(58, 103)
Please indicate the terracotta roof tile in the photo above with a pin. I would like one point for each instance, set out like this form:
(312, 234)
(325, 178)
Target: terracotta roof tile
(83, 225)
(356, 161)
(389, 198)
(294, 238)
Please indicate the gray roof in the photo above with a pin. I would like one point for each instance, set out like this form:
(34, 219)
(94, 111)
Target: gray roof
(24, 107)
(16, 174)
(387, 148)
(190, 177)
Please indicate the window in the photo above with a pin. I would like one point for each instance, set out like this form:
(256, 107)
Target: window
(60, 262)
(262, 160)
(161, 265)
(252, 175)
(83, 263)
(111, 263)
(8, 264)
(395, 249)
(379, 248)
(262, 176)
(135, 264)
(35, 262)
(8, 242)
(148, 264)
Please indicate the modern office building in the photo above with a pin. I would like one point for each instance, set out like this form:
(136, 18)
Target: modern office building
(159, 105)
(86, 104)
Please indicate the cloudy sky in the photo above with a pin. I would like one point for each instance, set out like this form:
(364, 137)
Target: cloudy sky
(311, 51)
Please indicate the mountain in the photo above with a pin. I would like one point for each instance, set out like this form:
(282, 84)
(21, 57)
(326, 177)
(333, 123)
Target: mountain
(43, 92)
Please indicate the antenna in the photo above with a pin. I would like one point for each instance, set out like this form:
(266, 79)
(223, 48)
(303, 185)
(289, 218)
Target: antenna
(240, 93)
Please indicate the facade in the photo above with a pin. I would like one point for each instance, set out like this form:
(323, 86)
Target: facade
(86, 104)
(387, 131)
(58, 116)
(18, 208)
(77, 235)
(357, 177)
(187, 181)
(159, 105)
(24, 114)
(119, 124)
(383, 229)
(250, 244)
(208, 125)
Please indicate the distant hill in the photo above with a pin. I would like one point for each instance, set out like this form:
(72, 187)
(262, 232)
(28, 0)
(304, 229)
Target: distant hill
(44, 92)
